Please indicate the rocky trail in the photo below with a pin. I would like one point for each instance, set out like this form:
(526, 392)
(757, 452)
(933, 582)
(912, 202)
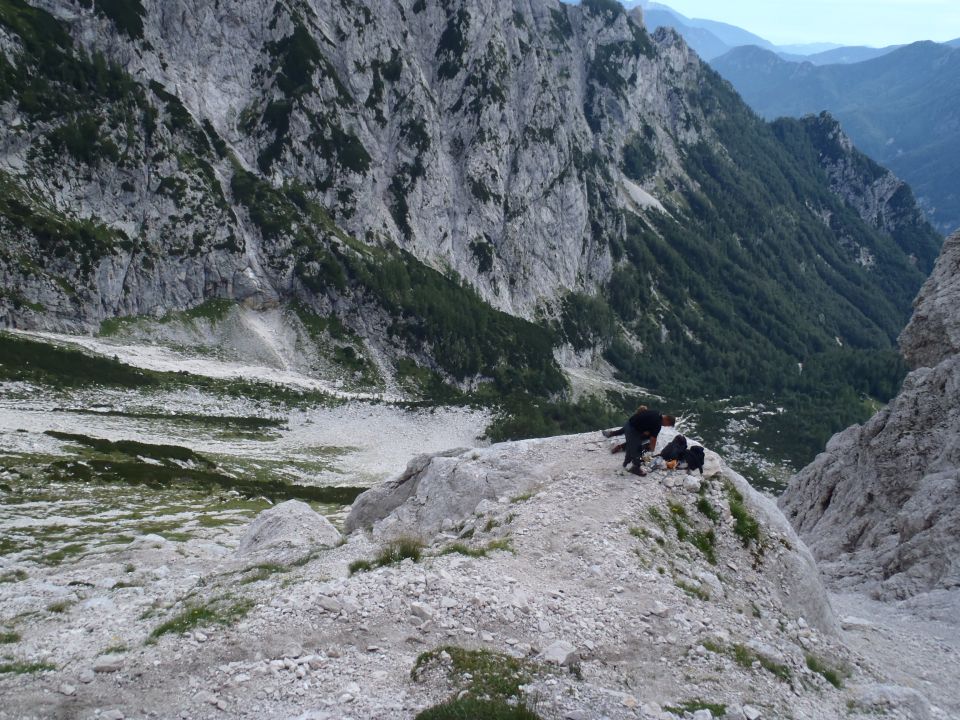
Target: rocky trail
(601, 594)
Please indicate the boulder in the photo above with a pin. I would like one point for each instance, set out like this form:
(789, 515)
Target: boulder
(289, 529)
(560, 653)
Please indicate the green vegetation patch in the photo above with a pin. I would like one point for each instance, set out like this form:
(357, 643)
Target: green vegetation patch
(24, 668)
(691, 706)
(707, 509)
(745, 657)
(58, 556)
(40, 362)
(832, 675)
(9, 637)
(745, 525)
(126, 15)
(477, 552)
(123, 461)
(487, 684)
(692, 590)
(471, 708)
(222, 611)
(261, 571)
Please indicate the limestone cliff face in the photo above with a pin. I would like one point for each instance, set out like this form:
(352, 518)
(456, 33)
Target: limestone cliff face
(879, 197)
(881, 507)
(555, 161)
(477, 135)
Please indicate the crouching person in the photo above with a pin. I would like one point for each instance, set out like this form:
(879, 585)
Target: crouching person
(640, 436)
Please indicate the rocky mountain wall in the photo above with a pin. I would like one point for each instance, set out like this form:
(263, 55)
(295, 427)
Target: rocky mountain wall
(881, 507)
(387, 163)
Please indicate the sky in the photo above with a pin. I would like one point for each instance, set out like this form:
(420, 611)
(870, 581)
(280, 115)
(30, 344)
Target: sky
(847, 22)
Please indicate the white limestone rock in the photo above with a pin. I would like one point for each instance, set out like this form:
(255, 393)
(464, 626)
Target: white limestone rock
(288, 530)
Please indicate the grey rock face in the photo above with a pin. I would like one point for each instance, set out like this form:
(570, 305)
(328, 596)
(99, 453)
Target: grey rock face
(881, 507)
(933, 333)
(289, 528)
(469, 134)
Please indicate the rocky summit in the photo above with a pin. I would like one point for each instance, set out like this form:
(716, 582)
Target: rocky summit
(881, 507)
(564, 584)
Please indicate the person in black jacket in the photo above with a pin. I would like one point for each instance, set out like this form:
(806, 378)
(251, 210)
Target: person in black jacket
(640, 435)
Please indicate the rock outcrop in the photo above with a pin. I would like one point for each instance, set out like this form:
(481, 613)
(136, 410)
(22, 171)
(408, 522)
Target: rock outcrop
(454, 492)
(881, 507)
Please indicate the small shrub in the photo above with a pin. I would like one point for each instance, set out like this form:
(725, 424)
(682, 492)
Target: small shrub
(9, 637)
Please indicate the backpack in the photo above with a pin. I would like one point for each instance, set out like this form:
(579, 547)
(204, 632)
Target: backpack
(674, 449)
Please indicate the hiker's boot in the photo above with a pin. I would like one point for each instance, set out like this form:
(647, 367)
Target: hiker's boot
(637, 470)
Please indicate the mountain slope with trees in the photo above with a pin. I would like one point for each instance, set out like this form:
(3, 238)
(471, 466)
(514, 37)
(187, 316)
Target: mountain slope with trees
(466, 185)
(901, 109)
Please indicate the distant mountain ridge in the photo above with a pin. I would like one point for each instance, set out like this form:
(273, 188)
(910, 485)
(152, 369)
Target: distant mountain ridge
(902, 109)
(711, 39)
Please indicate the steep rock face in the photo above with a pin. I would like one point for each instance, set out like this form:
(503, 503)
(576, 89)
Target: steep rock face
(879, 197)
(933, 333)
(881, 507)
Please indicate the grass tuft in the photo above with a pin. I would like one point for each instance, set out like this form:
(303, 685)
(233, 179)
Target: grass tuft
(831, 675)
(745, 525)
(392, 553)
(691, 706)
(745, 657)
